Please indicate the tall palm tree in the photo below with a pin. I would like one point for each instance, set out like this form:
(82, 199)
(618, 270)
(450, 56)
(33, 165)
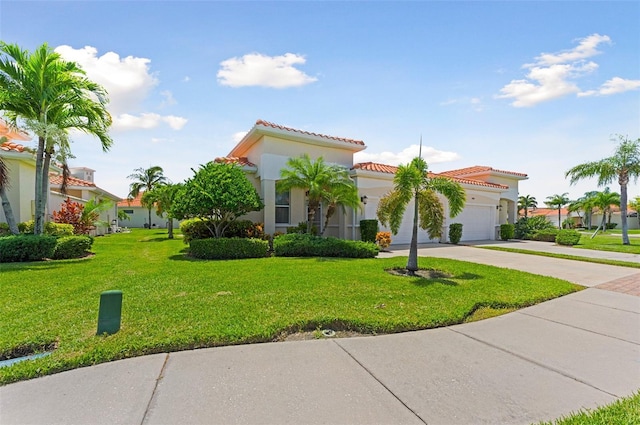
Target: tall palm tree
(624, 166)
(525, 202)
(586, 204)
(317, 178)
(603, 201)
(162, 197)
(558, 201)
(43, 88)
(146, 180)
(412, 183)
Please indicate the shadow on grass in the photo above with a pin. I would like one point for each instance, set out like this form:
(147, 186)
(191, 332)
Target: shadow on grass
(162, 238)
(448, 281)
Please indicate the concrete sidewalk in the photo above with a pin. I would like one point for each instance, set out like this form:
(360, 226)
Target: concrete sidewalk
(574, 352)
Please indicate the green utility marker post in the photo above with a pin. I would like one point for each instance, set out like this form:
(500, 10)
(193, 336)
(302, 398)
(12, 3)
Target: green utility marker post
(110, 312)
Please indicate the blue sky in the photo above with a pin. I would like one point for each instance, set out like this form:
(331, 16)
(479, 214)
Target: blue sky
(532, 87)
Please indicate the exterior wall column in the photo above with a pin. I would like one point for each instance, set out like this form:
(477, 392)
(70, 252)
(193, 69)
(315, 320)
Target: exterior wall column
(268, 189)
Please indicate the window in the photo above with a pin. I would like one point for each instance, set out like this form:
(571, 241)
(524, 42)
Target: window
(128, 211)
(283, 207)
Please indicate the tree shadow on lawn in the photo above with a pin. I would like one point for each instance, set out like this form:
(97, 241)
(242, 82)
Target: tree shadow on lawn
(448, 281)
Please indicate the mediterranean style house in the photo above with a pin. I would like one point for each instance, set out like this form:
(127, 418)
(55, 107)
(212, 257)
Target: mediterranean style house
(21, 165)
(492, 195)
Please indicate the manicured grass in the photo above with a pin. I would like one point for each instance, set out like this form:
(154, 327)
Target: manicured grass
(625, 411)
(172, 303)
(564, 256)
(608, 242)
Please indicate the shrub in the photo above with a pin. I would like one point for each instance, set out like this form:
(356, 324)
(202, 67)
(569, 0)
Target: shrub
(455, 232)
(526, 227)
(568, 237)
(4, 230)
(228, 248)
(546, 235)
(507, 231)
(301, 228)
(26, 248)
(302, 245)
(383, 239)
(195, 228)
(368, 230)
(72, 247)
(50, 228)
(611, 225)
(245, 229)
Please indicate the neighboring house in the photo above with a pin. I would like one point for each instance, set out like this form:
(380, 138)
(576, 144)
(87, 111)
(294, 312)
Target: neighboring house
(21, 165)
(492, 194)
(81, 189)
(551, 214)
(632, 218)
(138, 216)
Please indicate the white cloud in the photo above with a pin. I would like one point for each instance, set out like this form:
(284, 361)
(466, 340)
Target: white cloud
(255, 69)
(586, 48)
(431, 155)
(554, 75)
(239, 135)
(613, 86)
(128, 81)
(186, 79)
(168, 98)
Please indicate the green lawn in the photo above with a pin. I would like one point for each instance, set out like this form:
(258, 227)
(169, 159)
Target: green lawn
(625, 411)
(609, 242)
(174, 303)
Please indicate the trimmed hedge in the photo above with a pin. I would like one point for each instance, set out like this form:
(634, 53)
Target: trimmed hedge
(50, 228)
(228, 248)
(297, 245)
(18, 248)
(195, 228)
(4, 230)
(455, 232)
(72, 247)
(368, 230)
(547, 235)
(507, 231)
(568, 237)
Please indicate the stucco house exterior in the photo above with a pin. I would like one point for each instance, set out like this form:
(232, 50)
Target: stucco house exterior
(21, 166)
(138, 216)
(492, 194)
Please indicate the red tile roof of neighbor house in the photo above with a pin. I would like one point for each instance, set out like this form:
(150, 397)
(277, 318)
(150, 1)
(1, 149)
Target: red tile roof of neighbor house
(135, 202)
(545, 211)
(242, 161)
(11, 147)
(281, 127)
(391, 169)
(478, 169)
(56, 179)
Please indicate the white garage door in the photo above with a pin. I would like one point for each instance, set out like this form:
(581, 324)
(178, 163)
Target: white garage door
(477, 222)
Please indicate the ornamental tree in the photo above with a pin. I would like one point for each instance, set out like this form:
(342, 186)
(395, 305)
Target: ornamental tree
(218, 194)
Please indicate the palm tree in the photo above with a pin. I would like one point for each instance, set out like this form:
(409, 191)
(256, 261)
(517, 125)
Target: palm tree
(412, 183)
(55, 94)
(603, 201)
(343, 196)
(162, 197)
(624, 166)
(558, 201)
(525, 202)
(146, 180)
(586, 204)
(317, 178)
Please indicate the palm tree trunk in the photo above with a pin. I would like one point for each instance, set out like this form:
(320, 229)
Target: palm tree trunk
(149, 218)
(412, 263)
(38, 226)
(559, 219)
(330, 210)
(170, 228)
(623, 214)
(45, 186)
(8, 212)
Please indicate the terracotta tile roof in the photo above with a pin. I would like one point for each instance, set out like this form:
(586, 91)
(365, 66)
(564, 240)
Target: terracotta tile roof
(135, 202)
(546, 212)
(373, 166)
(11, 147)
(56, 179)
(479, 169)
(390, 169)
(281, 127)
(242, 160)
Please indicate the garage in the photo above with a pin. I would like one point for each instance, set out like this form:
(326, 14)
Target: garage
(478, 222)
